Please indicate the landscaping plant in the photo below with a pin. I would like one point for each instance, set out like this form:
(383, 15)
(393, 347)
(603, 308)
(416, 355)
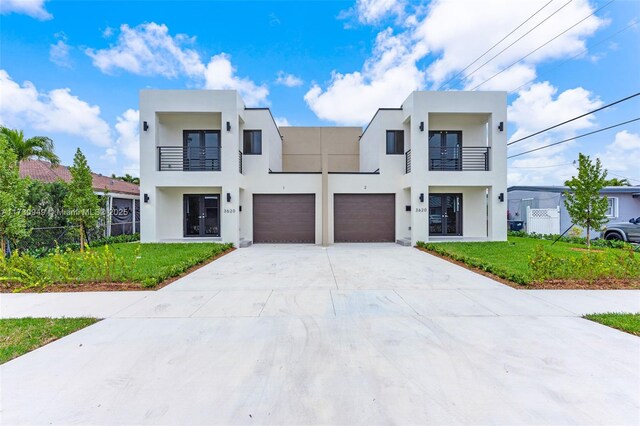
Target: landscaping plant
(584, 204)
(82, 204)
(13, 223)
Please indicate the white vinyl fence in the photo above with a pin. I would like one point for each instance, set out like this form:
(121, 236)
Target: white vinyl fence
(543, 221)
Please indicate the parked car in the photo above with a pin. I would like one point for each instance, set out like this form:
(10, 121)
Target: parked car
(624, 231)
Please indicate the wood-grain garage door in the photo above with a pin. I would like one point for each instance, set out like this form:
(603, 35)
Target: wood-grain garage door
(284, 218)
(364, 218)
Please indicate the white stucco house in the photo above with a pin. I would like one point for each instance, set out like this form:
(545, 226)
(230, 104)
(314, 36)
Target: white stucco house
(433, 169)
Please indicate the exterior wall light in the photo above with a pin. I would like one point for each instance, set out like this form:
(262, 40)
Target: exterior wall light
(422, 126)
(501, 197)
(421, 198)
(228, 126)
(501, 126)
(145, 126)
(146, 198)
(228, 197)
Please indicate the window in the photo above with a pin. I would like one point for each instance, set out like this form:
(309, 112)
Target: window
(612, 210)
(253, 142)
(395, 141)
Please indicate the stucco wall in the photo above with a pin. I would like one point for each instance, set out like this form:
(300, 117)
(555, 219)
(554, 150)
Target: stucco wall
(302, 148)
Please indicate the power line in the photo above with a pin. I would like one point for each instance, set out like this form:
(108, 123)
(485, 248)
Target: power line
(573, 138)
(575, 118)
(517, 40)
(542, 167)
(492, 47)
(543, 45)
(632, 24)
(626, 177)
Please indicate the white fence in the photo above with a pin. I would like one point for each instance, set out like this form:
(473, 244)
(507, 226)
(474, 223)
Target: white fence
(543, 221)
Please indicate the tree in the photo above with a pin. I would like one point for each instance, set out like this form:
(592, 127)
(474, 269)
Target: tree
(38, 146)
(127, 178)
(13, 190)
(617, 182)
(584, 204)
(81, 203)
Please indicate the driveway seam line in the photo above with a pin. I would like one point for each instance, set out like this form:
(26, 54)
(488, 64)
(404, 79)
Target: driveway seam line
(332, 304)
(461, 291)
(265, 303)
(128, 306)
(331, 267)
(207, 301)
(406, 303)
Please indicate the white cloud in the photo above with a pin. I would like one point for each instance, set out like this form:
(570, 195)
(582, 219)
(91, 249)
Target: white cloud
(460, 44)
(282, 121)
(57, 111)
(148, 49)
(128, 140)
(220, 74)
(372, 11)
(622, 156)
(33, 8)
(386, 80)
(537, 108)
(288, 80)
(59, 52)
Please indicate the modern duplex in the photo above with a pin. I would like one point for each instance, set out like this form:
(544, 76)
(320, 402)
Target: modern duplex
(212, 169)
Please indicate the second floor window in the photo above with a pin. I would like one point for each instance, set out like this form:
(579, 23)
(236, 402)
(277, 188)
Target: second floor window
(252, 142)
(395, 141)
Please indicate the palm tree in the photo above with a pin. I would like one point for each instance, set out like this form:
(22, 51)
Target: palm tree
(618, 182)
(40, 147)
(127, 178)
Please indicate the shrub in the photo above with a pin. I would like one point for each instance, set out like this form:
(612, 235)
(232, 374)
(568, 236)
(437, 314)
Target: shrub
(23, 269)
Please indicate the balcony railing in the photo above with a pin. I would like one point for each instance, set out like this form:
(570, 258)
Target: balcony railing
(240, 161)
(407, 162)
(188, 159)
(461, 158)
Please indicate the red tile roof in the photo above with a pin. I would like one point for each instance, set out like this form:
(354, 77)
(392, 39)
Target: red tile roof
(44, 172)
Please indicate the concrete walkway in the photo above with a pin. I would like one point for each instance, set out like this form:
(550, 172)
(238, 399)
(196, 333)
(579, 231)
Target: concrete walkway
(353, 334)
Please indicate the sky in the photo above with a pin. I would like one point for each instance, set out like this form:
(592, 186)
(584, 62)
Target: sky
(71, 70)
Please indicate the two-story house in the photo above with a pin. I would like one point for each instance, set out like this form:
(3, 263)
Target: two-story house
(433, 169)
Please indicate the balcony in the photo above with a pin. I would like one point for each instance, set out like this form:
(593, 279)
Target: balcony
(407, 162)
(188, 159)
(459, 159)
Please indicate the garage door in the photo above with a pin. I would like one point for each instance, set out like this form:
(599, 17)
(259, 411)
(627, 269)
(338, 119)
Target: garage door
(284, 218)
(364, 218)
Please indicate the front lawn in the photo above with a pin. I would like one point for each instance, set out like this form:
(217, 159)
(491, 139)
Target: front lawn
(22, 335)
(629, 323)
(512, 261)
(124, 266)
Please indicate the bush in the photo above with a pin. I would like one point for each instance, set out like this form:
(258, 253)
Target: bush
(572, 239)
(590, 266)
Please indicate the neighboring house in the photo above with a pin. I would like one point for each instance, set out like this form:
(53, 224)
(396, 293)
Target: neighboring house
(624, 202)
(123, 198)
(212, 169)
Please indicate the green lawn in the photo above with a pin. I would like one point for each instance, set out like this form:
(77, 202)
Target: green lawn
(147, 264)
(629, 323)
(22, 335)
(510, 259)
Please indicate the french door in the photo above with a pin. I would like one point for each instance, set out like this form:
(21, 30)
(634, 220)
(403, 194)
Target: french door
(445, 150)
(201, 150)
(445, 214)
(202, 215)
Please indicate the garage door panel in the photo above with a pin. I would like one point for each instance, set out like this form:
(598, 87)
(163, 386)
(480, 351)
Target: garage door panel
(284, 218)
(364, 218)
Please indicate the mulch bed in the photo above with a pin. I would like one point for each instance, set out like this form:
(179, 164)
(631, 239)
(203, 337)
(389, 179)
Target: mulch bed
(602, 284)
(85, 287)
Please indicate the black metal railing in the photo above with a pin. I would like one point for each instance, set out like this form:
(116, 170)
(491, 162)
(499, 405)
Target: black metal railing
(459, 158)
(188, 159)
(240, 161)
(407, 162)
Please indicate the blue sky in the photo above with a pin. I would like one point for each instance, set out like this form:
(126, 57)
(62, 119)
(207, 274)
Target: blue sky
(72, 69)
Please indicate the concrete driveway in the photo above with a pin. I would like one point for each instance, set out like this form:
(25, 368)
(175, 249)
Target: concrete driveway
(352, 334)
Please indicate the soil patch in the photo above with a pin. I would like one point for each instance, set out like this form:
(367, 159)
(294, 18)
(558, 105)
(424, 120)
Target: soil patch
(128, 286)
(585, 250)
(601, 284)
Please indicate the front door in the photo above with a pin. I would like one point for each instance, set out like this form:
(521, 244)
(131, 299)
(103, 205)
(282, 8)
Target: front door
(201, 150)
(445, 214)
(202, 215)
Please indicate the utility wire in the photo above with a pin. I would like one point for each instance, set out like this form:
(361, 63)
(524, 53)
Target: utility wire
(543, 45)
(573, 138)
(517, 40)
(492, 47)
(576, 118)
(542, 167)
(632, 24)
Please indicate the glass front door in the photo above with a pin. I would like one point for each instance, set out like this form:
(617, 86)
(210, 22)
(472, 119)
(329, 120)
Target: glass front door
(201, 150)
(445, 150)
(202, 215)
(445, 214)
